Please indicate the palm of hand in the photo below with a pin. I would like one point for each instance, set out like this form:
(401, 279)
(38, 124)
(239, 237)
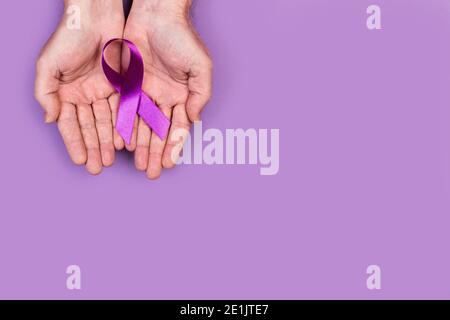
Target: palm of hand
(170, 51)
(81, 79)
(78, 95)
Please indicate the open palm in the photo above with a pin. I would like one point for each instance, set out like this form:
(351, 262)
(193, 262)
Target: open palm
(177, 77)
(71, 87)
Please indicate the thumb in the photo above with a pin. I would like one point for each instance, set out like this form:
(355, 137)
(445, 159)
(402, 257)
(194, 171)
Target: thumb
(46, 90)
(200, 89)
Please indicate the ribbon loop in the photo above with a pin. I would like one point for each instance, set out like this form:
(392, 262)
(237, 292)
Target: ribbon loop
(132, 99)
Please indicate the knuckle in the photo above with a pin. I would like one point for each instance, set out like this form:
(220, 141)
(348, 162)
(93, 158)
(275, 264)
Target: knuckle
(181, 125)
(143, 145)
(155, 154)
(103, 121)
(64, 122)
(87, 126)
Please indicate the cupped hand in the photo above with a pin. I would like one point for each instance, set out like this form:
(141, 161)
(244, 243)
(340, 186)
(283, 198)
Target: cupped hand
(71, 87)
(178, 76)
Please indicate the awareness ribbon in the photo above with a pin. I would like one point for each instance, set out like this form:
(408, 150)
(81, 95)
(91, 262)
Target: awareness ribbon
(132, 99)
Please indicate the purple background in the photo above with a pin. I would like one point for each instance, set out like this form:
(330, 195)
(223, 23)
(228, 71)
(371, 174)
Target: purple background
(364, 179)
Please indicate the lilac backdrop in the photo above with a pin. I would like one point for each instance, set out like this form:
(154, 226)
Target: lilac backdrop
(364, 119)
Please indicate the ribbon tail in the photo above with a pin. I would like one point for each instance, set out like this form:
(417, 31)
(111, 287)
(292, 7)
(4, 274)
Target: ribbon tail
(126, 116)
(153, 117)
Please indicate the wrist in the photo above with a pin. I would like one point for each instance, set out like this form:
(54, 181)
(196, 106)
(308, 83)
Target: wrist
(168, 8)
(97, 8)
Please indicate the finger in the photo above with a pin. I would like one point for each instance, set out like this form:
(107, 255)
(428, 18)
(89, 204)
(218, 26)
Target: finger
(132, 145)
(71, 133)
(114, 101)
(156, 151)
(46, 90)
(200, 89)
(103, 123)
(179, 130)
(142, 146)
(89, 133)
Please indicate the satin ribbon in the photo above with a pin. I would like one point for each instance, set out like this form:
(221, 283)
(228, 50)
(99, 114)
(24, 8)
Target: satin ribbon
(133, 100)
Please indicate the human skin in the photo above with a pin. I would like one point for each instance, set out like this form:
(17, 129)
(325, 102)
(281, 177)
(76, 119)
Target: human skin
(177, 76)
(72, 89)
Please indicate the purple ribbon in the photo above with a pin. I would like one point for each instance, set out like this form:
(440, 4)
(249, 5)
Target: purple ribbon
(132, 99)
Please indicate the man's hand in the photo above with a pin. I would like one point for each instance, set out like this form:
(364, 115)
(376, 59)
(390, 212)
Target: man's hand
(178, 74)
(71, 87)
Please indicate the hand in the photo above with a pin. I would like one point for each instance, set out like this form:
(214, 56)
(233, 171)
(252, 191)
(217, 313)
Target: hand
(178, 74)
(71, 87)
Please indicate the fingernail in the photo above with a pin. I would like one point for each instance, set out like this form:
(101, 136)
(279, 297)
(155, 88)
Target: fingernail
(195, 118)
(47, 118)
